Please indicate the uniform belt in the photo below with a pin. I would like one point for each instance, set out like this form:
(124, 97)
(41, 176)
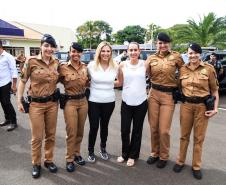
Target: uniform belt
(42, 99)
(163, 88)
(195, 99)
(75, 97)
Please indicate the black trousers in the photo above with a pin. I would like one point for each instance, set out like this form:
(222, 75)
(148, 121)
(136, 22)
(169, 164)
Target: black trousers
(99, 114)
(7, 106)
(129, 114)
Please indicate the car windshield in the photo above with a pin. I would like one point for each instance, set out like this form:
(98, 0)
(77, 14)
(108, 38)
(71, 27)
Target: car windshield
(86, 57)
(63, 56)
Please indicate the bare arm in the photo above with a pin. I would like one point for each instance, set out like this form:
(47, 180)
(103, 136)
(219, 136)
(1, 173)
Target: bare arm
(13, 87)
(147, 67)
(20, 93)
(119, 81)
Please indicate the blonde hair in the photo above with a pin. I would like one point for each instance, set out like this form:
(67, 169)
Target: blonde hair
(112, 64)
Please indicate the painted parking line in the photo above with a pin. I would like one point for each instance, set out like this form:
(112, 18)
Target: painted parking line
(221, 108)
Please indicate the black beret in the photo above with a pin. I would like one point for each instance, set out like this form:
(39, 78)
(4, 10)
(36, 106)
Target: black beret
(77, 46)
(196, 47)
(49, 39)
(163, 37)
(0, 43)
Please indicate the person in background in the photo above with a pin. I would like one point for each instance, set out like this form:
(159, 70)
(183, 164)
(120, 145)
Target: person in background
(162, 67)
(132, 77)
(8, 80)
(198, 81)
(217, 66)
(73, 75)
(21, 58)
(185, 57)
(102, 72)
(122, 57)
(42, 70)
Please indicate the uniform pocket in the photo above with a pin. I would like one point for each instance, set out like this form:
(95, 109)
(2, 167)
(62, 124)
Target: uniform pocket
(69, 77)
(203, 77)
(184, 77)
(171, 63)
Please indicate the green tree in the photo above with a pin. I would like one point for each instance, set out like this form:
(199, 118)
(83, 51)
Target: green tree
(152, 32)
(91, 33)
(130, 33)
(208, 31)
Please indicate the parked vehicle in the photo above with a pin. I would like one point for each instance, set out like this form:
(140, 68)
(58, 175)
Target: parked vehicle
(222, 83)
(144, 54)
(62, 56)
(221, 56)
(87, 56)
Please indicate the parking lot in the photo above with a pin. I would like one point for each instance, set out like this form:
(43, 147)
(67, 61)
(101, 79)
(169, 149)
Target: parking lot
(15, 159)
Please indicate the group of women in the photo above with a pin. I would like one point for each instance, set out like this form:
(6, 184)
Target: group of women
(196, 79)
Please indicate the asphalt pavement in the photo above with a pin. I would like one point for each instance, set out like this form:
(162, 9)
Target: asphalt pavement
(15, 156)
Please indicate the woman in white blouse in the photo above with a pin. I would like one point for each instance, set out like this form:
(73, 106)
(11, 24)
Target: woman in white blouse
(132, 75)
(102, 72)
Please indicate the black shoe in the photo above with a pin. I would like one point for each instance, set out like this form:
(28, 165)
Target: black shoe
(70, 166)
(36, 171)
(6, 122)
(104, 154)
(197, 174)
(51, 167)
(161, 163)
(152, 160)
(79, 160)
(177, 168)
(91, 158)
(11, 127)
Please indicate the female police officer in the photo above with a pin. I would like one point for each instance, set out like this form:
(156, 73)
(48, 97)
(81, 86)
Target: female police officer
(43, 75)
(73, 75)
(162, 71)
(198, 81)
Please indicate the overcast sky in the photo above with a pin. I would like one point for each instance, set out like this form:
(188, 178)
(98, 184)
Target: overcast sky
(118, 13)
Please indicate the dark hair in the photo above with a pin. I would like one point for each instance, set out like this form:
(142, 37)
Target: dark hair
(1, 44)
(214, 54)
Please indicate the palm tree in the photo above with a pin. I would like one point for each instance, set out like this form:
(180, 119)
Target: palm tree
(208, 31)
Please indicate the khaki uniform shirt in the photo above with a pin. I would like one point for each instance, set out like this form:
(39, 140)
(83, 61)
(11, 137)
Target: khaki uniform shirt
(74, 80)
(43, 77)
(198, 82)
(163, 68)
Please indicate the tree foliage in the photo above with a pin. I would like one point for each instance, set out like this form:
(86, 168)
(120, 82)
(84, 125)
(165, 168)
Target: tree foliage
(91, 33)
(131, 34)
(208, 31)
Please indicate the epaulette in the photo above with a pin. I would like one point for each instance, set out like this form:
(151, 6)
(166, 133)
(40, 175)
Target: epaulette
(175, 52)
(63, 63)
(209, 65)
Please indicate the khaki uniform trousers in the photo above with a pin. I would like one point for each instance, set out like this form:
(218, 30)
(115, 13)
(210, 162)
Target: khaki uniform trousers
(192, 115)
(75, 113)
(43, 119)
(160, 114)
